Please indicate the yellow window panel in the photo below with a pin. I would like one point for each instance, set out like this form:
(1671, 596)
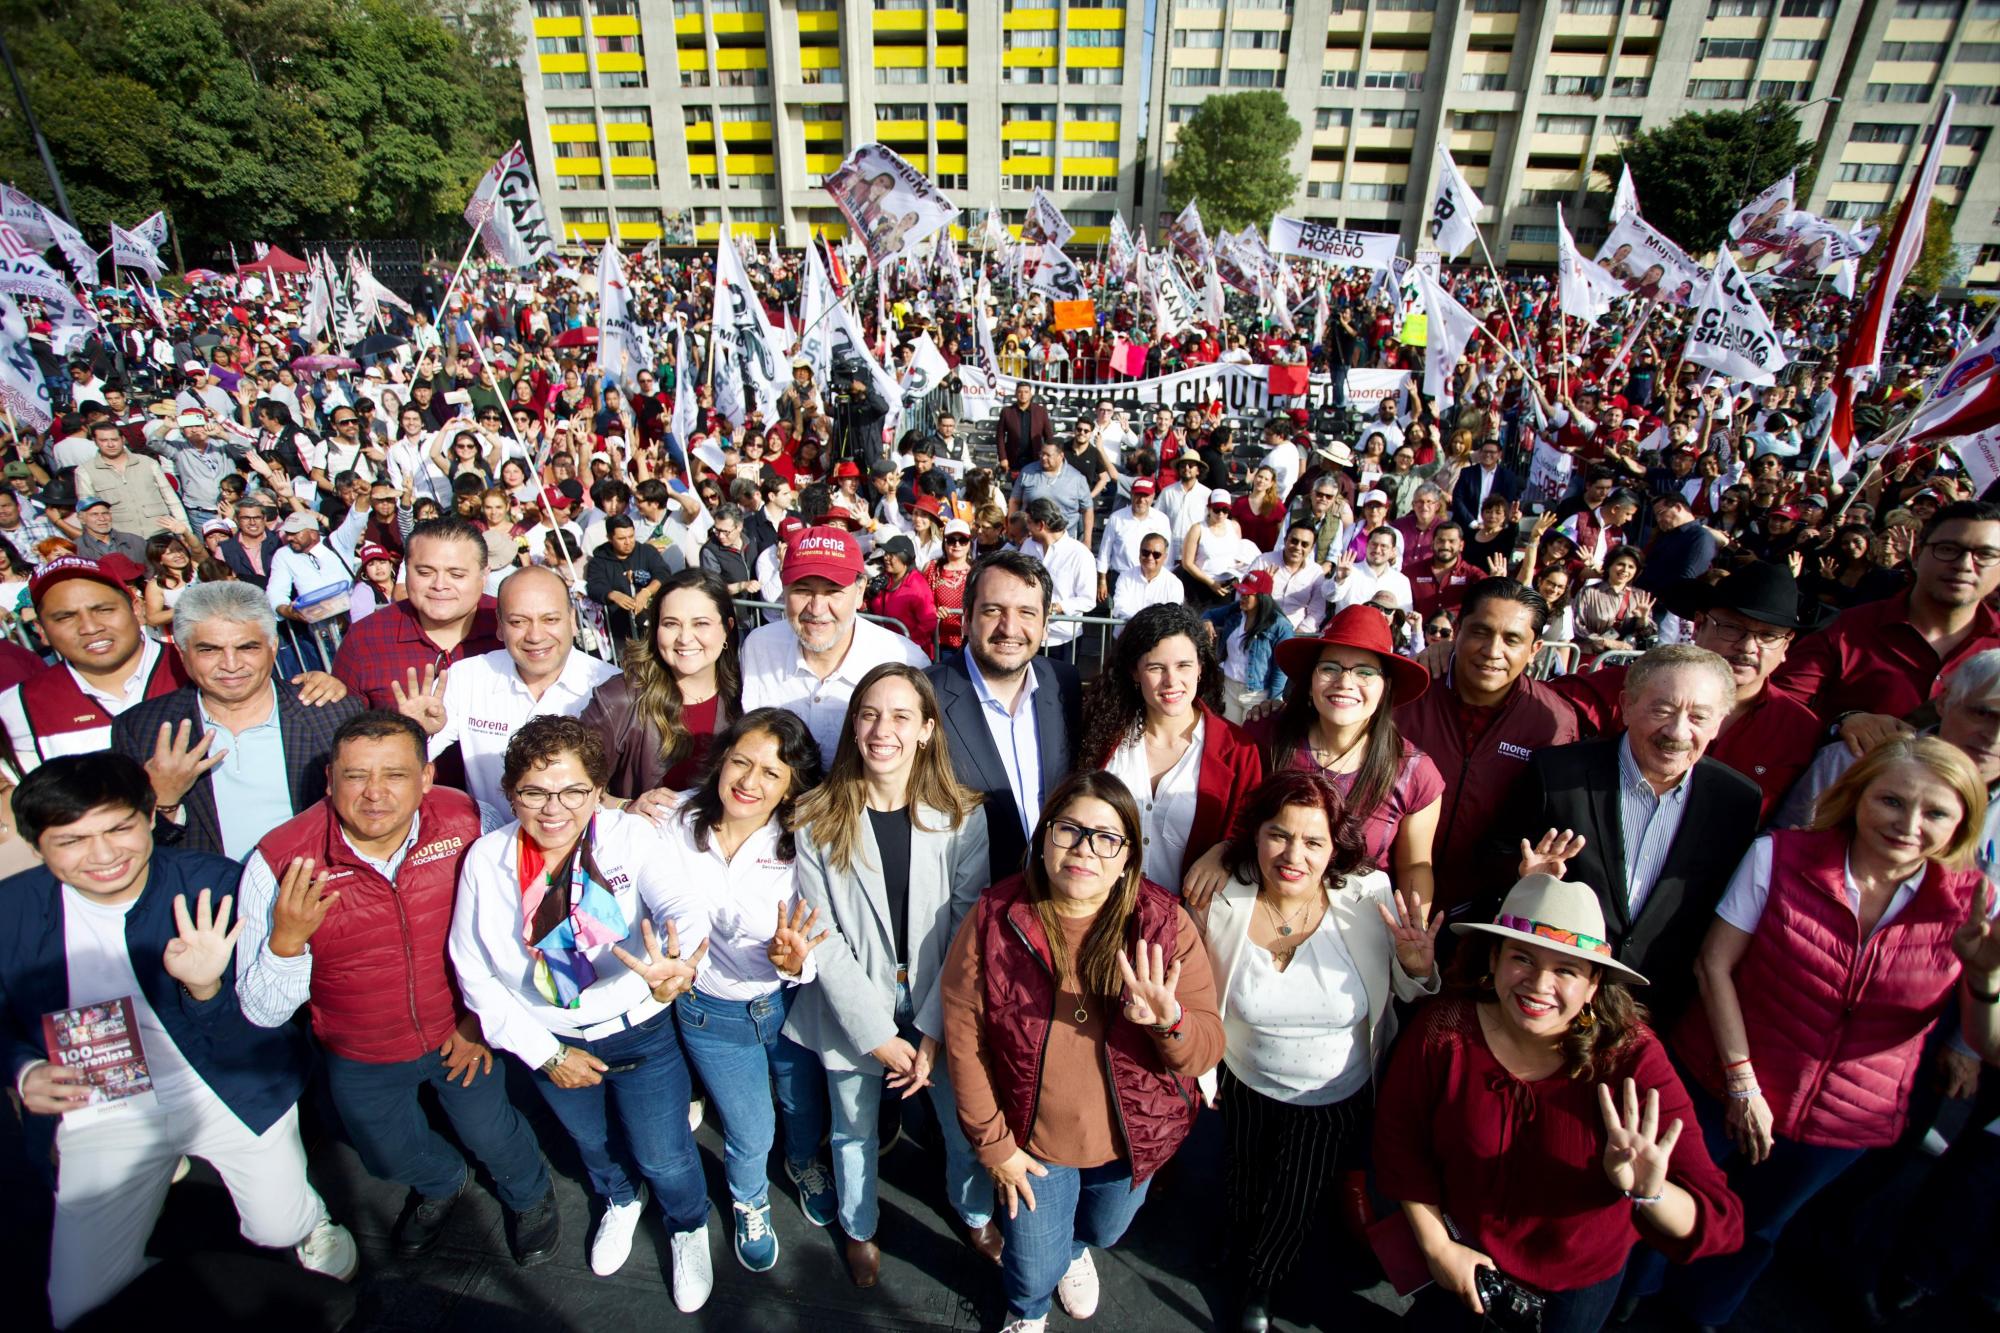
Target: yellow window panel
(818, 162)
(1090, 166)
(823, 129)
(900, 129)
(563, 64)
(1029, 57)
(742, 57)
(688, 27)
(629, 133)
(1029, 19)
(1091, 131)
(899, 57)
(754, 230)
(1027, 129)
(620, 62)
(639, 231)
(1096, 57)
(950, 129)
(1096, 18)
(572, 133)
(737, 24)
(579, 166)
(819, 22)
(701, 164)
(700, 132)
(951, 57)
(819, 57)
(1028, 166)
(633, 166)
(836, 231)
(588, 231)
(615, 25)
(750, 164)
(694, 57)
(948, 162)
(741, 131)
(897, 20)
(558, 27)
(1091, 235)
(950, 20)
(707, 231)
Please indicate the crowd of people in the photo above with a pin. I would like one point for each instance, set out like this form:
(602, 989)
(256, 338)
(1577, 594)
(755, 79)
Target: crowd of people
(1603, 874)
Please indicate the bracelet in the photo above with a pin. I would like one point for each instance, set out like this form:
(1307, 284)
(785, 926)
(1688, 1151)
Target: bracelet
(1171, 1031)
(1642, 1200)
(1736, 1064)
(1743, 1094)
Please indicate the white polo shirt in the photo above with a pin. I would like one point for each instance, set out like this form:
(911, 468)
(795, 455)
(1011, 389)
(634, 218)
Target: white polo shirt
(485, 703)
(1184, 508)
(775, 675)
(742, 897)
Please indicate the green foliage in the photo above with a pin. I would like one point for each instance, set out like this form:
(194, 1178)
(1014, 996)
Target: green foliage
(1939, 257)
(1697, 170)
(277, 120)
(1231, 159)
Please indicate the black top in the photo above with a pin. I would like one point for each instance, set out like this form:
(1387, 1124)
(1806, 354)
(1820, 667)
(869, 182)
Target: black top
(892, 835)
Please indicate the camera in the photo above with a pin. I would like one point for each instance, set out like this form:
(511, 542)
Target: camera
(1509, 1305)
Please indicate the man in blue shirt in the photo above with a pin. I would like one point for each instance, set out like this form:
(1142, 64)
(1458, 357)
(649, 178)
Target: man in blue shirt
(1050, 476)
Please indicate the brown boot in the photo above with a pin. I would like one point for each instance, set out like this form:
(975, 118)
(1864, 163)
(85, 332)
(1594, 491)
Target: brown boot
(985, 1238)
(864, 1262)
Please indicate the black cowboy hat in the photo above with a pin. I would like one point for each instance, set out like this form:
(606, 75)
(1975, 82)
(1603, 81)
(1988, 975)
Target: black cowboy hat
(1758, 590)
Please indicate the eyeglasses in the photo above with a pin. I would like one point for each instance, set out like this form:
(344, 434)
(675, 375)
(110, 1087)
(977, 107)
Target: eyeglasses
(958, 541)
(1985, 557)
(538, 798)
(1730, 632)
(1333, 671)
(1298, 546)
(1104, 844)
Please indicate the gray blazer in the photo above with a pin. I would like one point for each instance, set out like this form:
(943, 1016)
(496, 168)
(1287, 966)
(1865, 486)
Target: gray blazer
(851, 1009)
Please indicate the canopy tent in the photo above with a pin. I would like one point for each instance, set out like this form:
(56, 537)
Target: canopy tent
(276, 261)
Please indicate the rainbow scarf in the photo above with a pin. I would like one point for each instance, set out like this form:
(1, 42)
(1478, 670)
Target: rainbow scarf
(563, 971)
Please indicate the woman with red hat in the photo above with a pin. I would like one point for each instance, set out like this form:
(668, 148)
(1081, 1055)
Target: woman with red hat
(379, 584)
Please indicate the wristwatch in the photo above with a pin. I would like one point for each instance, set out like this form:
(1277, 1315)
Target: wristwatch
(562, 1054)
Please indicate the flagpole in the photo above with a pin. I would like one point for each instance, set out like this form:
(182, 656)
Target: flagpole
(451, 287)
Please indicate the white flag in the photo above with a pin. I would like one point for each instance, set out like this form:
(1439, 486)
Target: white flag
(1584, 292)
(1759, 223)
(621, 352)
(70, 325)
(25, 216)
(1322, 317)
(317, 317)
(1730, 332)
(725, 379)
(506, 211)
(1212, 303)
(926, 371)
(687, 412)
(1187, 236)
(1119, 250)
(1627, 198)
(1177, 305)
(154, 229)
(815, 341)
(773, 255)
(23, 271)
(1048, 270)
(77, 251)
(849, 344)
(739, 321)
(149, 302)
(22, 388)
(1451, 329)
(131, 250)
(1046, 224)
(1453, 215)
(889, 204)
(369, 290)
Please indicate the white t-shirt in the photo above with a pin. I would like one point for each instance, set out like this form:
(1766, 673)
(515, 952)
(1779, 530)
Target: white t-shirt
(100, 968)
(1297, 1036)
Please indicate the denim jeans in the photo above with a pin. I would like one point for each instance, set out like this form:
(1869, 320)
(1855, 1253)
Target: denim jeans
(856, 1098)
(739, 1050)
(387, 1126)
(650, 1101)
(1075, 1208)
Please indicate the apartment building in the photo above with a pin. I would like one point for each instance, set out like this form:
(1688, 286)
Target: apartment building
(1529, 95)
(675, 118)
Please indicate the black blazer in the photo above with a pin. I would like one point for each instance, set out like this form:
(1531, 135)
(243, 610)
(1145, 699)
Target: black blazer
(307, 732)
(1576, 787)
(1465, 493)
(234, 556)
(975, 760)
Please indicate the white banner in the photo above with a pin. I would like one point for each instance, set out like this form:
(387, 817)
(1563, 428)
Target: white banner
(1333, 245)
(1178, 304)
(1187, 235)
(1812, 245)
(1626, 201)
(1242, 390)
(129, 250)
(1049, 271)
(1045, 224)
(850, 344)
(927, 370)
(1119, 251)
(740, 323)
(23, 271)
(621, 353)
(1454, 216)
(1450, 329)
(153, 229)
(1548, 476)
(25, 216)
(1584, 291)
(687, 411)
(814, 342)
(368, 289)
(1980, 455)
(22, 388)
(1758, 224)
(81, 255)
(889, 203)
(1730, 332)
(506, 210)
(1648, 265)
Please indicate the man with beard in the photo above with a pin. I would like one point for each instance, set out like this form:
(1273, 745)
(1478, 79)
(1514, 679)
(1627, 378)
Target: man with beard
(1008, 713)
(811, 661)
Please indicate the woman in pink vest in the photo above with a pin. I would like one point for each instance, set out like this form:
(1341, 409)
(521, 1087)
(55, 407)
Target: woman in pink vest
(1835, 951)
(1079, 1009)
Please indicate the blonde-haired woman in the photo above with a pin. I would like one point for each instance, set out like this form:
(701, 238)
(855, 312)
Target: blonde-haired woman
(1835, 950)
(891, 855)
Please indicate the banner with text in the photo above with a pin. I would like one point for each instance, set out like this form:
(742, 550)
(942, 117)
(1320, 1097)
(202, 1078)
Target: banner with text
(1332, 245)
(1243, 391)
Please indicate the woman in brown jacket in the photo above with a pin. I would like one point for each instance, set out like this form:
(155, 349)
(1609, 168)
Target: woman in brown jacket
(681, 687)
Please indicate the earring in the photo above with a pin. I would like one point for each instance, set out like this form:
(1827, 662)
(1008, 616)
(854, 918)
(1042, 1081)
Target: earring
(1585, 1020)
(1486, 981)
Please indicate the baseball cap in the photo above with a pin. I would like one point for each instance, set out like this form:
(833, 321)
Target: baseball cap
(16, 470)
(957, 527)
(885, 469)
(899, 545)
(300, 521)
(1257, 580)
(1372, 496)
(65, 568)
(554, 498)
(822, 552)
(221, 525)
(1142, 486)
(192, 367)
(571, 488)
(1220, 499)
(792, 523)
(376, 551)
(92, 502)
(1790, 511)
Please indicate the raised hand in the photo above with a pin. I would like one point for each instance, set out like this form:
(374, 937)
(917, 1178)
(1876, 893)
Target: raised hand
(1150, 985)
(1413, 933)
(302, 903)
(667, 974)
(1636, 1150)
(421, 700)
(793, 939)
(1977, 942)
(1496, 565)
(1551, 855)
(199, 955)
(179, 759)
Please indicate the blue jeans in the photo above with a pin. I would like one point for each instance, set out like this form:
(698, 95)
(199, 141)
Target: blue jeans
(739, 1050)
(856, 1098)
(650, 1100)
(1074, 1210)
(387, 1126)
(1709, 1291)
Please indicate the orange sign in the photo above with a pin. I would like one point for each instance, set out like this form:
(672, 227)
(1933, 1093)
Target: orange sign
(1076, 314)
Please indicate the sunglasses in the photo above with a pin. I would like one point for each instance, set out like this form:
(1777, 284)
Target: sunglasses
(958, 541)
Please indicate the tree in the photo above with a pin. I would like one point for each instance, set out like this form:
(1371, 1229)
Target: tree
(1231, 158)
(1697, 170)
(275, 120)
(1939, 257)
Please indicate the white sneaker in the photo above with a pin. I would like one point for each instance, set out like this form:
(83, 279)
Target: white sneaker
(694, 1272)
(1027, 1326)
(329, 1250)
(696, 1110)
(612, 1245)
(1077, 1291)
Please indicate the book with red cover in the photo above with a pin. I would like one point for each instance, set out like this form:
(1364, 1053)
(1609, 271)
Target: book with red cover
(103, 1041)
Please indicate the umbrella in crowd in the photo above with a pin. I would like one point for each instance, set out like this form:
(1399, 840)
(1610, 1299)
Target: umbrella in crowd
(323, 361)
(379, 344)
(583, 337)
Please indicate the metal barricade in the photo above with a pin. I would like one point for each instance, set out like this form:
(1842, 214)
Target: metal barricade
(1616, 657)
(1555, 659)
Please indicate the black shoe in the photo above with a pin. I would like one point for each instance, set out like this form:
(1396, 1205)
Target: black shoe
(1256, 1311)
(422, 1224)
(534, 1234)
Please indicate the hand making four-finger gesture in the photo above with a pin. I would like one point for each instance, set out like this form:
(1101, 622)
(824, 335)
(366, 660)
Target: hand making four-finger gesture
(1413, 930)
(1636, 1149)
(200, 954)
(793, 940)
(667, 974)
(1150, 986)
(1551, 854)
(421, 700)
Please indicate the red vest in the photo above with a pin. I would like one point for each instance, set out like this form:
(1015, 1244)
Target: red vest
(381, 985)
(62, 719)
(1837, 1026)
(1155, 1107)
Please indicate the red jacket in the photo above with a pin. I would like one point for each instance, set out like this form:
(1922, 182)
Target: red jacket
(1870, 659)
(913, 605)
(1154, 1107)
(1836, 1025)
(1477, 779)
(381, 985)
(1232, 766)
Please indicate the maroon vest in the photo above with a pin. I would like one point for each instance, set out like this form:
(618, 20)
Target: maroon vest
(381, 984)
(1155, 1107)
(1837, 1026)
(60, 715)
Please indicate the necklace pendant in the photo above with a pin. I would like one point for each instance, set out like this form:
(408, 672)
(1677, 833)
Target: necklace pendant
(1081, 1016)
(1284, 930)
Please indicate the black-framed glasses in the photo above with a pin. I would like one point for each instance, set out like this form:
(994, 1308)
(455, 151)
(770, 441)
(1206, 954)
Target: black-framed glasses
(1103, 843)
(1730, 632)
(1985, 557)
(538, 798)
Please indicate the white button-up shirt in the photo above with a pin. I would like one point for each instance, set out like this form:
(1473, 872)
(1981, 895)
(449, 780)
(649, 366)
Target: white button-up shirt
(1166, 811)
(775, 675)
(495, 970)
(1123, 531)
(1184, 507)
(1016, 738)
(1075, 578)
(1365, 582)
(485, 703)
(1136, 592)
(1649, 820)
(1300, 593)
(742, 897)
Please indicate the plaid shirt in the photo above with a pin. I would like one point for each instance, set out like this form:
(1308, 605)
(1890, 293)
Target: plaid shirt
(33, 530)
(379, 651)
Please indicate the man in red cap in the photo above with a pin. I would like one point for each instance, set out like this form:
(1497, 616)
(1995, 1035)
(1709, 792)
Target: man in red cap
(812, 661)
(1124, 532)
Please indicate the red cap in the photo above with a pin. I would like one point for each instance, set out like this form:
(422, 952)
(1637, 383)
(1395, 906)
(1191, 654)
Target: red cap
(554, 498)
(68, 567)
(1790, 511)
(822, 552)
(1257, 580)
(376, 551)
(1142, 486)
(792, 523)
